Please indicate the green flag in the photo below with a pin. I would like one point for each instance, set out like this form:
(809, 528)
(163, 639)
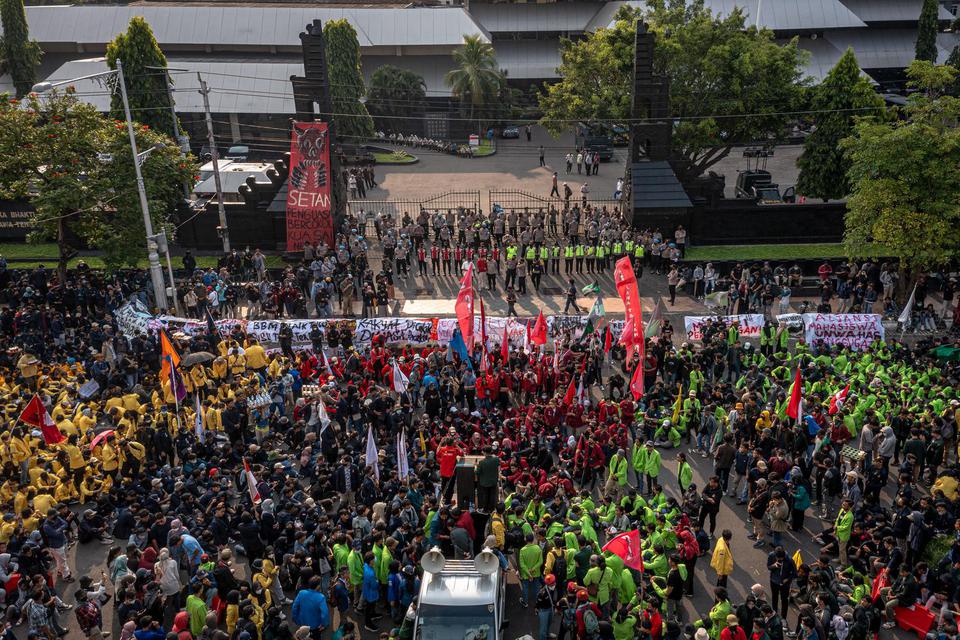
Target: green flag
(596, 319)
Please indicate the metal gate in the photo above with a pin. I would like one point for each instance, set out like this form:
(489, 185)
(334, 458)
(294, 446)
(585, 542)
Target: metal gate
(396, 208)
(516, 200)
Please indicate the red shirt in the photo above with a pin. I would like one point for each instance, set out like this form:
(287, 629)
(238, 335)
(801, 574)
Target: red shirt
(448, 460)
(733, 633)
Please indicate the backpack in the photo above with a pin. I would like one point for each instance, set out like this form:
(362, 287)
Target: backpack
(559, 565)
(591, 625)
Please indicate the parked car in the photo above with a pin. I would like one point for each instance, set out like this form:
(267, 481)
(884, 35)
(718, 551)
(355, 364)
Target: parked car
(510, 131)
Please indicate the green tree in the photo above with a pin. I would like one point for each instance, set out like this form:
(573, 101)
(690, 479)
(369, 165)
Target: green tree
(19, 55)
(729, 83)
(954, 61)
(147, 91)
(351, 117)
(476, 80)
(905, 176)
(397, 99)
(75, 167)
(843, 96)
(926, 48)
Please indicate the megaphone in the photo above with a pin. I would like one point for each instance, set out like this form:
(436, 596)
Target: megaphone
(433, 561)
(486, 562)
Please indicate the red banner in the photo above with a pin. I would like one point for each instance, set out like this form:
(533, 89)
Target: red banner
(309, 208)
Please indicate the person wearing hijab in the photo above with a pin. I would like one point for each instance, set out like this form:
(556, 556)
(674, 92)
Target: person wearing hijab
(181, 626)
(168, 576)
(117, 562)
(127, 630)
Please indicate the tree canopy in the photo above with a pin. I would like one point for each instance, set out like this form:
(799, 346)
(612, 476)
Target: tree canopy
(729, 83)
(905, 176)
(927, 27)
(476, 80)
(351, 117)
(19, 55)
(397, 99)
(147, 90)
(75, 167)
(843, 96)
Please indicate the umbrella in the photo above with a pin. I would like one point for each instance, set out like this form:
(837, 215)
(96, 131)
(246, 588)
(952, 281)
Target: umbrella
(198, 357)
(100, 437)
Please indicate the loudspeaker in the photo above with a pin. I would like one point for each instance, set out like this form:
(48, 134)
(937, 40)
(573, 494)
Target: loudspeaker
(433, 561)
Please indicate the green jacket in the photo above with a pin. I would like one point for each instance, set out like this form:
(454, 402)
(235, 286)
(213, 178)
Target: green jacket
(638, 457)
(603, 580)
(340, 554)
(685, 475)
(843, 525)
(531, 562)
(618, 469)
(355, 563)
(383, 569)
(625, 630)
(653, 463)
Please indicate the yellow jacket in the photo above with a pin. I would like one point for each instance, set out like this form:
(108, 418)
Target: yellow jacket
(77, 461)
(256, 357)
(722, 559)
(213, 421)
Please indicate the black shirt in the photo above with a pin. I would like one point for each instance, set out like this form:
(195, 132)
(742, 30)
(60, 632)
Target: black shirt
(676, 581)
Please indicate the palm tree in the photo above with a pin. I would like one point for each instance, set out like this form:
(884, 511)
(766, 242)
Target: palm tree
(476, 80)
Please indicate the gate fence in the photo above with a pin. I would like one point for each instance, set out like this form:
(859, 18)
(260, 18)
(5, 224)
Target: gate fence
(525, 201)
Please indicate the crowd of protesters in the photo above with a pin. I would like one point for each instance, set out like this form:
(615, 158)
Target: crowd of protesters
(316, 541)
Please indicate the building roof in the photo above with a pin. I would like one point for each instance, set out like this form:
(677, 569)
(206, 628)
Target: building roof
(239, 85)
(890, 10)
(514, 18)
(823, 57)
(791, 15)
(880, 48)
(778, 15)
(655, 186)
(528, 59)
(250, 27)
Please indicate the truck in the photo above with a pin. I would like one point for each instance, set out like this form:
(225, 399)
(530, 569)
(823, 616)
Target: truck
(461, 599)
(595, 138)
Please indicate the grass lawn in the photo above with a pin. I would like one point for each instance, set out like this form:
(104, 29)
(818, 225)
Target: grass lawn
(766, 252)
(486, 148)
(46, 254)
(393, 158)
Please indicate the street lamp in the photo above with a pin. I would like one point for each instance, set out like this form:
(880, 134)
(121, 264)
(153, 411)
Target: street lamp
(156, 271)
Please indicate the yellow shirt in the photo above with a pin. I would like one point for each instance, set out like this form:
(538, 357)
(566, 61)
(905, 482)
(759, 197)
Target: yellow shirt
(43, 502)
(131, 402)
(212, 420)
(77, 461)
(256, 357)
(110, 457)
(113, 402)
(85, 423)
(67, 428)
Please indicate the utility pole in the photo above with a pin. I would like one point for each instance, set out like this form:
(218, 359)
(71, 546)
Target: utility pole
(222, 229)
(156, 272)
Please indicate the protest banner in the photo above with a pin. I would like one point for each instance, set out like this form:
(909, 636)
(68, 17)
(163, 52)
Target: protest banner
(854, 330)
(749, 325)
(133, 319)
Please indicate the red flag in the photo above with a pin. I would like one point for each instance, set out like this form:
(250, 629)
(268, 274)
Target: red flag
(35, 415)
(627, 335)
(571, 393)
(636, 382)
(626, 282)
(484, 362)
(505, 344)
(838, 399)
(539, 333)
(251, 483)
(464, 308)
(483, 325)
(627, 547)
(793, 407)
(607, 340)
